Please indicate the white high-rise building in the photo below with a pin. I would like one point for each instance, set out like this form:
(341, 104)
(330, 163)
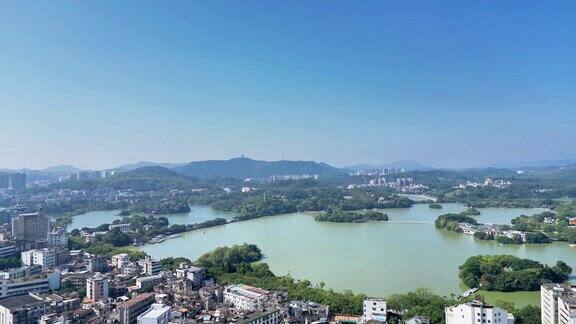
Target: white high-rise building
(151, 266)
(567, 309)
(57, 238)
(374, 309)
(477, 312)
(549, 294)
(120, 260)
(97, 288)
(558, 303)
(245, 297)
(40, 283)
(44, 257)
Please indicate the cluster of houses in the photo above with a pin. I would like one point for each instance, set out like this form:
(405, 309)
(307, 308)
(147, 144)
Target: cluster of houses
(55, 285)
(488, 182)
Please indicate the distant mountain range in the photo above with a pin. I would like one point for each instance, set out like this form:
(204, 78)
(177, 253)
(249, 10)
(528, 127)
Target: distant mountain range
(533, 164)
(61, 169)
(243, 168)
(408, 165)
(133, 166)
(240, 168)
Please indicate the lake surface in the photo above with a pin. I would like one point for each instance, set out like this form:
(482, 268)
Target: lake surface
(377, 259)
(197, 214)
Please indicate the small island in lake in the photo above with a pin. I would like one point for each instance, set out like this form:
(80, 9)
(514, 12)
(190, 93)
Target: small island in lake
(352, 217)
(435, 206)
(471, 212)
(510, 273)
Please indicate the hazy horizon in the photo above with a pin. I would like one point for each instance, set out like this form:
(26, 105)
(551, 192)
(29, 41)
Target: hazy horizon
(453, 85)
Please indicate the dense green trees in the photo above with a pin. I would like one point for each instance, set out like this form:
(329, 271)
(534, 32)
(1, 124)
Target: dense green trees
(163, 207)
(10, 262)
(116, 238)
(235, 265)
(537, 237)
(481, 235)
(229, 259)
(435, 206)
(547, 226)
(471, 212)
(452, 221)
(100, 248)
(172, 263)
(421, 302)
(526, 315)
(282, 200)
(510, 273)
(515, 239)
(351, 217)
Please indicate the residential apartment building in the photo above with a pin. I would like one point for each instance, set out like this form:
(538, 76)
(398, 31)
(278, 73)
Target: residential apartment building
(270, 315)
(374, 309)
(245, 297)
(57, 238)
(150, 266)
(97, 263)
(43, 257)
(18, 181)
(30, 230)
(21, 309)
(129, 311)
(124, 228)
(567, 309)
(22, 272)
(7, 250)
(195, 274)
(97, 288)
(147, 283)
(558, 303)
(120, 260)
(41, 283)
(4, 180)
(476, 312)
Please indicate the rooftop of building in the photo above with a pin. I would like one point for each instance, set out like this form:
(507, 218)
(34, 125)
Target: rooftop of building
(194, 268)
(559, 287)
(569, 298)
(375, 299)
(152, 277)
(15, 302)
(474, 303)
(247, 291)
(155, 311)
(136, 299)
(249, 317)
(31, 214)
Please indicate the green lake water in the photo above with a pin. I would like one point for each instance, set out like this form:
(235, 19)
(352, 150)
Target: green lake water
(377, 259)
(198, 214)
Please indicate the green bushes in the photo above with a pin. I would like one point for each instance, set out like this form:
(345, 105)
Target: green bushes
(435, 206)
(352, 217)
(234, 265)
(452, 221)
(510, 273)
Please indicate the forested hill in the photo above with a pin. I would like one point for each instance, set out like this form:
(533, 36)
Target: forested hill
(144, 178)
(242, 168)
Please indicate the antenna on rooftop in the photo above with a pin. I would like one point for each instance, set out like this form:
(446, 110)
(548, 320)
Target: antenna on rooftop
(282, 155)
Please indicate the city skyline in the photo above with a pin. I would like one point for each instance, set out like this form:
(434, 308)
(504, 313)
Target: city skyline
(97, 85)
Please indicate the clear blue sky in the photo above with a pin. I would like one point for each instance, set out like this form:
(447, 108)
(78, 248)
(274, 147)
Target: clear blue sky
(447, 83)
